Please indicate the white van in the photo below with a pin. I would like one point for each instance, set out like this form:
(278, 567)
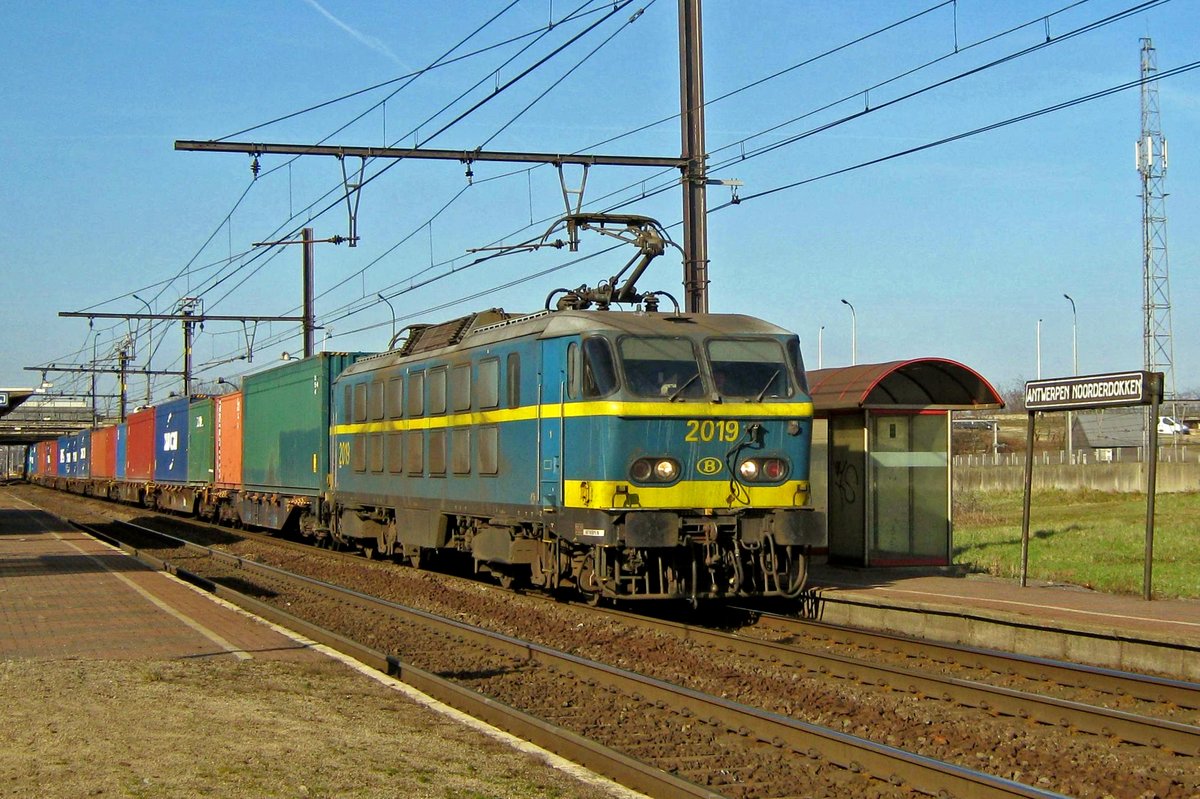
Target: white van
(1171, 427)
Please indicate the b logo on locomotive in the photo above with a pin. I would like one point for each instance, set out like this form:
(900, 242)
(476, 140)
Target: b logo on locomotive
(708, 466)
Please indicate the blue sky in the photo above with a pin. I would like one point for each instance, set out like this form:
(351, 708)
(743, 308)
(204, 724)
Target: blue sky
(956, 251)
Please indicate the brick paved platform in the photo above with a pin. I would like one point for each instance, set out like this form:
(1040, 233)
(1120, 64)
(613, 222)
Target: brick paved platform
(64, 594)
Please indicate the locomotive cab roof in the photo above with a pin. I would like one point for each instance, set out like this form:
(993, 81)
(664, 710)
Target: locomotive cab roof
(495, 325)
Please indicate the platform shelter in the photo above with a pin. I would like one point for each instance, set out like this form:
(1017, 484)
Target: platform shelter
(881, 457)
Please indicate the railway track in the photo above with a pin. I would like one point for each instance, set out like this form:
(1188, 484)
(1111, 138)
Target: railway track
(1012, 734)
(647, 725)
(1072, 696)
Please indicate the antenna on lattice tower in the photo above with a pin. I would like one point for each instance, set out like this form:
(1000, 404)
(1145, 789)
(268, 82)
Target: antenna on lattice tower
(1151, 155)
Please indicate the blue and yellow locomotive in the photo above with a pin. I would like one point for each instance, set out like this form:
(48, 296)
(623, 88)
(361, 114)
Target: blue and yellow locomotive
(630, 455)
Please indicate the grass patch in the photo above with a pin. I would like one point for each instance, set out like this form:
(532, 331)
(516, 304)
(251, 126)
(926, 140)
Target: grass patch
(1089, 538)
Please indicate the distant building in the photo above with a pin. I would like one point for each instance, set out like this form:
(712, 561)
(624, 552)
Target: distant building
(1113, 433)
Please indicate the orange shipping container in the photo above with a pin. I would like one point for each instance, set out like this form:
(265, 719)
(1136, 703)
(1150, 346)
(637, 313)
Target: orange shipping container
(104, 452)
(228, 457)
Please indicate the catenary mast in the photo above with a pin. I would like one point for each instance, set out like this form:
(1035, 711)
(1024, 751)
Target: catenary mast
(1156, 291)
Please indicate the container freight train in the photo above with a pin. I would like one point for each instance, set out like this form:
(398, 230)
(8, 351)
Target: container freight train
(626, 455)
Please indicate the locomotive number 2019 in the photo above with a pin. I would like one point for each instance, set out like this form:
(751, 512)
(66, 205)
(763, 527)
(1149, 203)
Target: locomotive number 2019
(343, 453)
(709, 430)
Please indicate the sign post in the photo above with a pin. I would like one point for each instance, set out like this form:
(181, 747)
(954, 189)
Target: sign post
(1095, 391)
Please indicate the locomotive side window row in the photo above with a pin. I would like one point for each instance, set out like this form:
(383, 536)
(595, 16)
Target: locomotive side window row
(450, 389)
(394, 451)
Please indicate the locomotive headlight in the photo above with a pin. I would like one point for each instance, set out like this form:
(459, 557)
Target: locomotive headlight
(654, 470)
(749, 470)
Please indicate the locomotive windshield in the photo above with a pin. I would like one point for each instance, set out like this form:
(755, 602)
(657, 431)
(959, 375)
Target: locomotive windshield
(754, 368)
(741, 368)
(661, 367)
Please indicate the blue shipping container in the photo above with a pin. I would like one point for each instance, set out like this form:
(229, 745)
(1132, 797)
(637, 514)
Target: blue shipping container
(171, 441)
(83, 454)
(121, 431)
(64, 456)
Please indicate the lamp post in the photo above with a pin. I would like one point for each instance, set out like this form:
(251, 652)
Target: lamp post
(1074, 371)
(821, 347)
(853, 334)
(392, 340)
(149, 345)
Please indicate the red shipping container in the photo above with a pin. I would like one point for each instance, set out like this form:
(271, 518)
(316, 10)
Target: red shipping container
(45, 458)
(104, 453)
(48, 458)
(139, 446)
(228, 455)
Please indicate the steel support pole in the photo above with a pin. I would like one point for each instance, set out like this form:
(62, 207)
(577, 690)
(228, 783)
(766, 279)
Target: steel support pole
(695, 175)
(1025, 511)
(309, 324)
(123, 363)
(1151, 481)
(187, 353)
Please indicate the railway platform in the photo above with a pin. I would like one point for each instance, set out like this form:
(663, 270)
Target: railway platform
(1051, 620)
(101, 654)
(68, 595)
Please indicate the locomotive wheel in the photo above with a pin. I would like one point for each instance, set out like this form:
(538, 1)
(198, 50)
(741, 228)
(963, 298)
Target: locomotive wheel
(585, 581)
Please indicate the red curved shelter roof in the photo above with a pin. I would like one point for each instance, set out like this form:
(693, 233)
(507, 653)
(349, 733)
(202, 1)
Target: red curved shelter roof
(916, 383)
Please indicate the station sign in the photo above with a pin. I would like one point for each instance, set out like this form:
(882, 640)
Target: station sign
(1093, 391)
(3, 399)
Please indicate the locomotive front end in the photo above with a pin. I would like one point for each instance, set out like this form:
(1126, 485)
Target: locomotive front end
(686, 460)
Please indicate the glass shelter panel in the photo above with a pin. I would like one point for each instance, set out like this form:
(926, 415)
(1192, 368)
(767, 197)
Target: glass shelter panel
(910, 489)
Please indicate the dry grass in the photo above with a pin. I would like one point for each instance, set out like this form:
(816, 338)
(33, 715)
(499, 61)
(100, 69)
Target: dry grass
(254, 729)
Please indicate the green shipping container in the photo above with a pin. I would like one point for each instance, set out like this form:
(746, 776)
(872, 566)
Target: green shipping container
(200, 442)
(285, 424)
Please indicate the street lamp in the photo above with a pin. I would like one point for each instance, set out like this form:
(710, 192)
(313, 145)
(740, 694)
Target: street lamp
(853, 334)
(1074, 339)
(821, 347)
(392, 340)
(149, 344)
(1075, 371)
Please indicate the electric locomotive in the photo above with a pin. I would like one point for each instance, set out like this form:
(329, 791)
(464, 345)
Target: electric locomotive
(628, 455)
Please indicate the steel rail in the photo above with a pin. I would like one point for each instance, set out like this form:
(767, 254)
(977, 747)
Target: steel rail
(1134, 728)
(1105, 680)
(889, 764)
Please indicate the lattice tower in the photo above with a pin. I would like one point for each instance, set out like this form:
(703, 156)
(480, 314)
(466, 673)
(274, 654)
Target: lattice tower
(1156, 292)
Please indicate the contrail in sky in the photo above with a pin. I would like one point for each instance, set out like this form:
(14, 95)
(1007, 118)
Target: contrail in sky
(370, 41)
